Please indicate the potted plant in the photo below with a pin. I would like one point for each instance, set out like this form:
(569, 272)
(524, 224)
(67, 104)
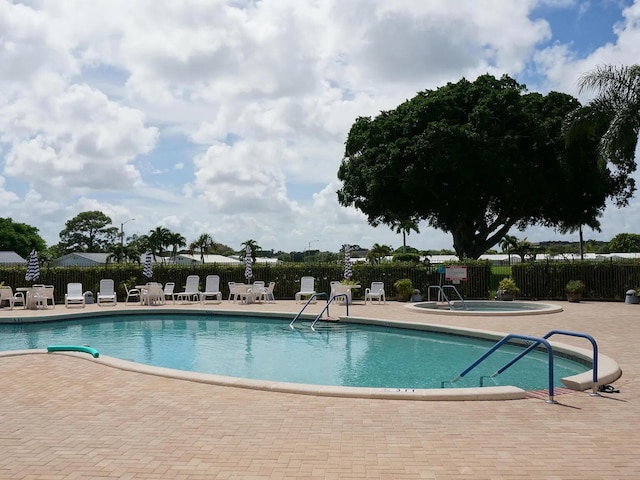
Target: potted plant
(574, 290)
(404, 289)
(507, 289)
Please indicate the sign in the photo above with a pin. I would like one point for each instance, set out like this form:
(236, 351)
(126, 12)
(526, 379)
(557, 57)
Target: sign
(457, 273)
(441, 268)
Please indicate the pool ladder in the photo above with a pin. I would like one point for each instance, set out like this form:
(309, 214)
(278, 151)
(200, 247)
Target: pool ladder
(535, 343)
(325, 309)
(441, 294)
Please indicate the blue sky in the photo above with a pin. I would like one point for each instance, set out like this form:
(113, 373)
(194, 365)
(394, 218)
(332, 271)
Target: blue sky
(229, 117)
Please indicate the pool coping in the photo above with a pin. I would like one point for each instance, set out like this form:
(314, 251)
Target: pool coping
(608, 368)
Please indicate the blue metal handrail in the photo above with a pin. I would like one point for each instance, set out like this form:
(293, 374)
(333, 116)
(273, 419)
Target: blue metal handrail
(312, 297)
(561, 332)
(440, 289)
(508, 337)
(326, 308)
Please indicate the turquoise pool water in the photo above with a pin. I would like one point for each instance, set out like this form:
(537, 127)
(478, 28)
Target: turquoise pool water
(267, 349)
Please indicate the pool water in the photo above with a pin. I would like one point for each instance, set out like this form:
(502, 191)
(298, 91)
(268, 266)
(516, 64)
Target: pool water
(267, 349)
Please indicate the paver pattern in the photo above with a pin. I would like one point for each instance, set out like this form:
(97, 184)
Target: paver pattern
(67, 417)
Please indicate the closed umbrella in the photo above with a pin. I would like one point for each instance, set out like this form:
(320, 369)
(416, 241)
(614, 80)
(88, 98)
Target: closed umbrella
(248, 261)
(33, 267)
(347, 262)
(147, 270)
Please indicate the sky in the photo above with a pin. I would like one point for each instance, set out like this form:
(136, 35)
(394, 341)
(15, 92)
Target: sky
(229, 117)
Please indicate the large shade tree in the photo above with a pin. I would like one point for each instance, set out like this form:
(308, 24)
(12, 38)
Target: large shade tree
(475, 159)
(19, 237)
(89, 231)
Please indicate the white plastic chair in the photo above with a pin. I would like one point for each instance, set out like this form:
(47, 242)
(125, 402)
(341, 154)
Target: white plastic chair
(268, 293)
(48, 296)
(132, 294)
(7, 295)
(307, 288)
(375, 291)
(191, 290)
(74, 295)
(107, 293)
(211, 288)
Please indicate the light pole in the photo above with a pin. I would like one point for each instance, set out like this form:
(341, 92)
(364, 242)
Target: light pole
(122, 239)
(309, 247)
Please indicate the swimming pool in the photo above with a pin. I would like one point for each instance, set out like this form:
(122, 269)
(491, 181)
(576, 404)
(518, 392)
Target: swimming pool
(262, 348)
(484, 307)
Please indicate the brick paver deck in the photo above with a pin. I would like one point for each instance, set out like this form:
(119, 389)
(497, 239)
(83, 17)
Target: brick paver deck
(65, 417)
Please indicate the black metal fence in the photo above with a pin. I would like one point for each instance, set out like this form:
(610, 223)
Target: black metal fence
(538, 280)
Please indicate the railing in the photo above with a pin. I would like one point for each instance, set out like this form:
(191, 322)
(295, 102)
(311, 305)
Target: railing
(312, 297)
(440, 289)
(508, 337)
(561, 332)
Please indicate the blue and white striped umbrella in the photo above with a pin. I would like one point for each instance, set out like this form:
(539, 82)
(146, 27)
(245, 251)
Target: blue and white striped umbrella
(147, 270)
(33, 267)
(248, 262)
(347, 261)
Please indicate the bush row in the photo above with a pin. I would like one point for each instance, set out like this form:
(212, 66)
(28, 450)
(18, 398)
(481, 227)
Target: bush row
(604, 281)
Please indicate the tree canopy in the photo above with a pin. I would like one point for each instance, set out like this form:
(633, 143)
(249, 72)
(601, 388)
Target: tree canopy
(88, 232)
(475, 159)
(19, 237)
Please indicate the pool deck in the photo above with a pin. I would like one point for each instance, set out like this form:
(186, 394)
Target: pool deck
(67, 417)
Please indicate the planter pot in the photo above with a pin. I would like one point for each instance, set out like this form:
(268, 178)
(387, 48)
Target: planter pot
(574, 297)
(505, 297)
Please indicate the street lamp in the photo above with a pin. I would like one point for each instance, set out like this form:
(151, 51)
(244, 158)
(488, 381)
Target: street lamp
(309, 247)
(122, 238)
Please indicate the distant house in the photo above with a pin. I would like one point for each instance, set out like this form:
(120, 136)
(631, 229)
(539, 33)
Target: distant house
(189, 259)
(82, 259)
(11, 259)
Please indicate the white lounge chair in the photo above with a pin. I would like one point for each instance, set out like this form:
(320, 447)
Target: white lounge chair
(307, 288)
(107, 293)
(74, 295)
(375, 291)
(211, 289)
(132, 294)
(191, 290)
(169, 287)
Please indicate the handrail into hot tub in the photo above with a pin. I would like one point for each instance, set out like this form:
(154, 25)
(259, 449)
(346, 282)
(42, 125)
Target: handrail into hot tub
(537, 340)
(561, 332)
(440, 289)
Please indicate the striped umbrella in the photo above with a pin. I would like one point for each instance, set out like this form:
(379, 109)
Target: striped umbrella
(33, 267)
(248, 261)
(147, 270)
(347, 261)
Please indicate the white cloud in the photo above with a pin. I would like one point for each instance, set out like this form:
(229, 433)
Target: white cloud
(230, 116)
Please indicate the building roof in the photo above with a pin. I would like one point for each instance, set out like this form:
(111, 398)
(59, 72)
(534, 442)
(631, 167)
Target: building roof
(11, 258)
(209, 258)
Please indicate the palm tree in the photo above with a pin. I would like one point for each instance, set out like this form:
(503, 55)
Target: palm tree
(176, 240)
(204, 243)
(615, 110)
(378, 252)
(508, 243)
(405, 227)
(253, 245)
(158, 239)
(593, 225)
